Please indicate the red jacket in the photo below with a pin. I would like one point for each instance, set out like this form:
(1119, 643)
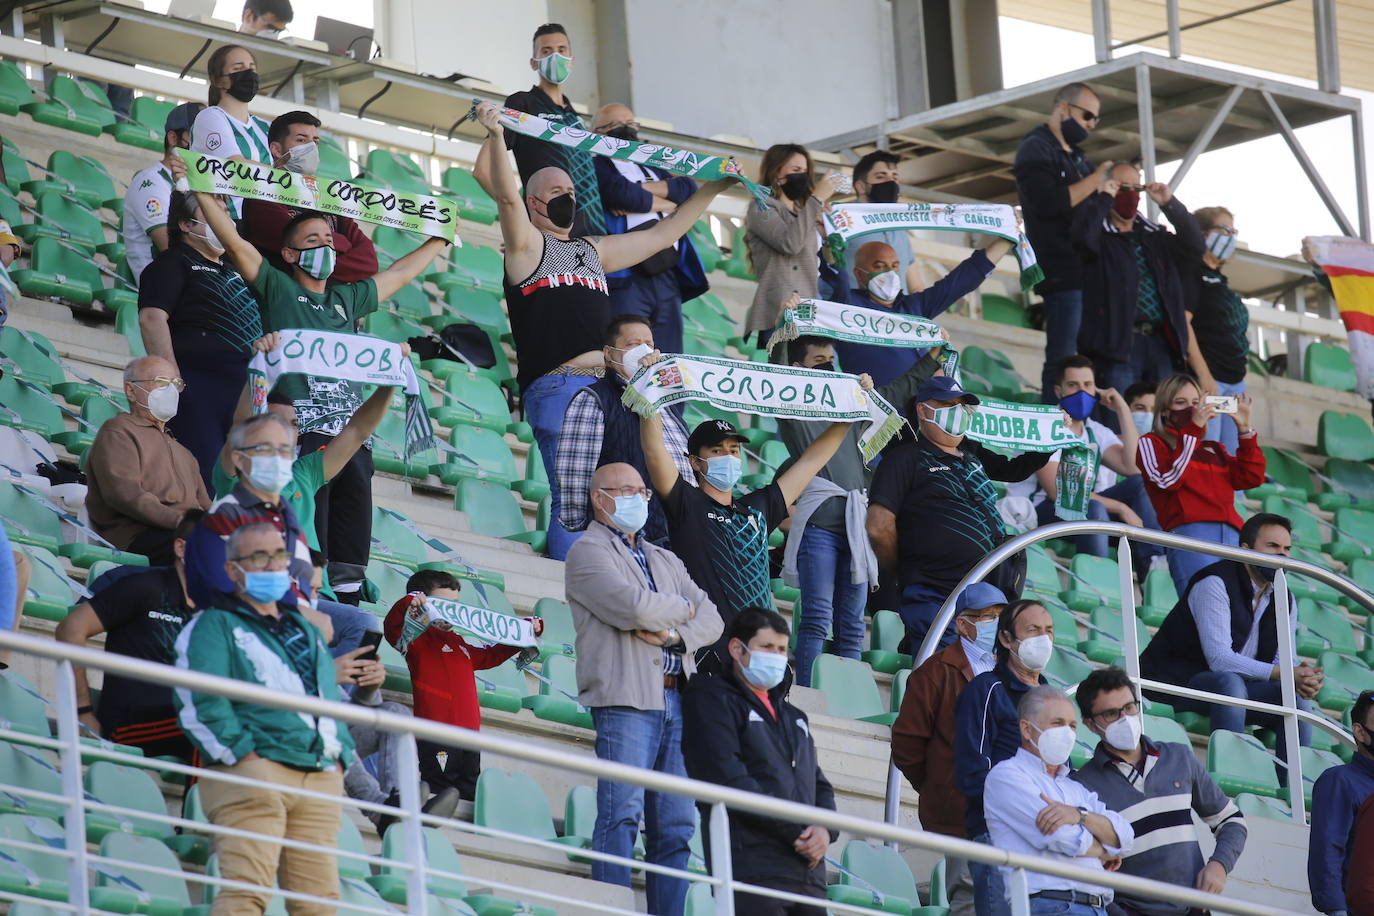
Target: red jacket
(923, 738)
(441, 669)
(1196, 479)
(264, 220)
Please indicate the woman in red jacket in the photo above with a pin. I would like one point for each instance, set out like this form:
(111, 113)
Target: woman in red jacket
(1191, 480)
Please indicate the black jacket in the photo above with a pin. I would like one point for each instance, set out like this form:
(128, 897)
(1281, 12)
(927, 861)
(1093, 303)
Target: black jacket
(1111, 277)
(730, 738)
(1044, 171)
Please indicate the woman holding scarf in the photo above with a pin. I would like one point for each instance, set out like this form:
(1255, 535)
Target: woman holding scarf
(226, 129)
(1191, 480)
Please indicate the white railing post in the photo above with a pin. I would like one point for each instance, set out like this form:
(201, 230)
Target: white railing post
(721, 865)
(408, 766)
(1020, 893)
(1289, 696)
(1130, 642)
(74, 825)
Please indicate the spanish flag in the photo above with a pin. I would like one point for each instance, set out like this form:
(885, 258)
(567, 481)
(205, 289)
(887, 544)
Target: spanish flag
(1349, 266)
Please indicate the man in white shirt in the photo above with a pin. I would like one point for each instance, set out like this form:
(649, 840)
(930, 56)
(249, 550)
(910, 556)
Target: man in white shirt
(1033, 807)
(150, 193)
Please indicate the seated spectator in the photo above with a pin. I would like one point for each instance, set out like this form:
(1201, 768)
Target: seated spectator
(225, 128)
(599, 429)
(1134, 325)
(723, 539)
(1217, 318)
(876, 181)
(635, 196)
(1341, 823)
(195, 311)
(923, 735)
(294, 143)
(265, 18)
(141, 611)
(559, 326)
(783, 237)
(876, 272)
(932, 506)
(1222, 637)
(149, 197)
(442, 665)
(639, 618)
(738, 730)
(828, 552)
(140, 480)
(252, 636)
(1033, 807)
(985, 729)
(1191, 481)
(1140, 397)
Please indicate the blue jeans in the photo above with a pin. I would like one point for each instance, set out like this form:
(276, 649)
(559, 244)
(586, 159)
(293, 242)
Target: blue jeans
(1233, 718)
(1223, 428)
(350, 623)
(658, 300)
(989, 885)
(1150, 360)
(1063, 315)
(653, 740)
(1184, 564)
(829, 598)
(1129, 490)
(920, 604)
(546, 403)
(1039, 906)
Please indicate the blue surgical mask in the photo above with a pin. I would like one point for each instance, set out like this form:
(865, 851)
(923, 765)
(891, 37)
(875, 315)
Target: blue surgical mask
(266, 585)
(631, 512)
(986, 636)
(1079, 405)
(1144, 421)
(270, 474)
(723, 471)
(765, 669)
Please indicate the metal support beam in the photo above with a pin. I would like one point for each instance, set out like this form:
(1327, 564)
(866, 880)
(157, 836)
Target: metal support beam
(1328, 50)
(1175, 37)
(1145, 112)
(1308, 168)
(1361, 173)
(50, 32)
(1205, 138)
(1102, 30)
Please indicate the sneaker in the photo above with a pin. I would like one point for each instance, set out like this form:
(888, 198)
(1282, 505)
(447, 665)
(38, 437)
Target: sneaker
(443, 804)
(383, 820)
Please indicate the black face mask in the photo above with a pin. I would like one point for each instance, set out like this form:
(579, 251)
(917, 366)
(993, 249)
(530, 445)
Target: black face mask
(825, 367)
(1267, 573)
(243, 85)
(1074, 133)
(560, 210)
(884, 192)
(624, 132)
(797, 186)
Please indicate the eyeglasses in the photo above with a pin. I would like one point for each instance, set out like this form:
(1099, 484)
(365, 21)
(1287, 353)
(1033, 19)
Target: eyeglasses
(163, 381)
(261, 559)
(1224, 230)
(633, 125)
(1108, 716)
(628, 491)
(263, 450)
(1131, 187)
(1088, 115)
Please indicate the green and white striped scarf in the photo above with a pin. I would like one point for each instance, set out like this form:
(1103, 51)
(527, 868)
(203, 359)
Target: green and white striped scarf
(1014, 427)
(856, 324)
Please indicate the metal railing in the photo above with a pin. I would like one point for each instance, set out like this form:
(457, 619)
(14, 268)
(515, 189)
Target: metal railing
(418, 873)
(1130, 646)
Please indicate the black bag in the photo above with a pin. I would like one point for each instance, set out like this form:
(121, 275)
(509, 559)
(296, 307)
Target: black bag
(660, 262)
(468, 339)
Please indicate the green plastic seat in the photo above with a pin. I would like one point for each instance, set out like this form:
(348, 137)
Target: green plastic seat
(333, 160)
(475, 401)
(1353, 536)
(81, 177)
(152, 893)
(131, 787)
(473, 267)
(357, 897)
(704, 241)
(554, 702)
(395, 243)
(72, 105)
(126, 324)
(492, 510)
(503, 687)
(58, 272)
(899, 688)
(1065, 624)
(350, 840)
(1322, 627)
(1308, 531)
(15, 91)
(1344, 435)
(1160, 596)
(1002, 310)
(1106, 643)
(411, 301)
(482, 454)
(51, 593)
(1314, 763)
(1352, 485)
(560, 636)
(1284, 473)
(10, 209)
(20, 710)
(1252, 805)
(473, 203)
(396, 171)
(16, 169)
(1066, 668)
(390, 880)
(1042, 573)
(27, 522)
(1094, 581)
(391, 325)
(152, 113)
(478, 306)
(579, 817)
(1346, 677)
(885, 633)
(876, 877)
(32, 872)
(737, 264)
(275, 905)
(1084, 744)
(63, 217)
(1240, 763)
(393, 541)
(1329, 366)
(991, 371)
(388, 446)
(514, 803)
(849, 689)
(33, 769)
(535, 484)
(1164, 729)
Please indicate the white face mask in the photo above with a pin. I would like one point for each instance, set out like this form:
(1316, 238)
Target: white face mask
(1055, 744)
(885, 286)
(1035, 652)
(163, 402)
(303, 158)
(208, 236)
(630, 361)
(1124, 733)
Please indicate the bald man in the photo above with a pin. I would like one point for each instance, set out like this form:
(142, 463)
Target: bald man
(142, 481)
(878, 285)
(556, 288)
(635, 196)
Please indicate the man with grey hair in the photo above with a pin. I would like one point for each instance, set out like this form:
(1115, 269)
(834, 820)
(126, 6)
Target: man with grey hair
(141, 481)
(1033, 807)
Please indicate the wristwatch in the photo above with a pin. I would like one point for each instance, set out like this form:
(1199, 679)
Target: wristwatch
(1082, 815)
(673, 636)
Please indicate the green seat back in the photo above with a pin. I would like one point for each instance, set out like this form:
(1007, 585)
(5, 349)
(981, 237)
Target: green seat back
(34, 354)
(1159, 728)
(481, 307)
(127, 787)
(579, 812)
(47, 869)
(1307, 530)
(25, 520)
(50, 255)
(356, 896)
(51, 592)
(559, 631)
(395, 242)
(333, 160)
(390, 537)
(395, 170)
(1328, 365)
(1288, 470)
(848, 686)
(1065, 623)
(169, 894)
(439, 855)
(1066, 668)
(489, 458)
(704, 241)
(899, 688)
(1098, 576)
(21, 710)
(411, 301)
(880, 866)
(561, 672)
(1252, 805)
(479, 266)
(1362, 573)
(1002, 310)
(1356, 528)
(491, 508)
(90, 183)
(505, 678)
(33, 769)
(991, 371)
(1345, 435)
(513, 802)
(86, 102)
(1159, 589)
(473, 203)
(16, 169)
(29, 409)
(151, 113)
(10, 210)
(1042, 573)
(1352, 478)
(1239, 763)
(1346, 678)
(14, 88)
(476, 401)
(886, 631)
(71, 218)
(392, 326)
(350, 840)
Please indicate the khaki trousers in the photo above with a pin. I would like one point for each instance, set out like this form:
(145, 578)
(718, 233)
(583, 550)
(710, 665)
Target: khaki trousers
(274, 815)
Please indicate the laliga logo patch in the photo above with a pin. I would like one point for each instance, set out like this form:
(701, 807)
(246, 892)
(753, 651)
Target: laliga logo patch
(213, 142)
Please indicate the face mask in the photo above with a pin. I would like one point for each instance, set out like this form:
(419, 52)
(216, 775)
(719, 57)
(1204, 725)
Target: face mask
(271, 474)
(723, 472)
(270, 33)
(1221, 245)
(265, 586)
(797, 186)
(985, 636)
(631, 512)
(162, 402)
(885, 286)
(1267, 573)
(765, 669)
(1035, 652)
(884, 192)
(1144, 421)
(303, 158)
(243, 85)
(1079, 405)
(630, 361)
(624, 132)
(555, 68)
(208, 236)
(1055, 744)
(318, 262)
(560, 210)
(1180, 418)
(1124, 733)
(1074, 133)
(1126, 203)
(952, 421)
(827, 366)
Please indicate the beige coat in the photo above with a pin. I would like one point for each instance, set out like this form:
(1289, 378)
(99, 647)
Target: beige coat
(610, 600)
(783, 245)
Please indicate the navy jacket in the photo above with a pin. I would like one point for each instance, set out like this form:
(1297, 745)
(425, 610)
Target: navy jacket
(620, 193)
(986, 732)
(1044, 171)
(1336, 798)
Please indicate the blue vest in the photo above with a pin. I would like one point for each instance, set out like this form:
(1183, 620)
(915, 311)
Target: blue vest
(620, 442)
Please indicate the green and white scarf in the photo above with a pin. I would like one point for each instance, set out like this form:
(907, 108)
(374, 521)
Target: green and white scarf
(679, 161)
(352, 358)
(846, 222)
(766, 390)
(1040, 428)
(856, 324)
(422, 213)
(469, 621)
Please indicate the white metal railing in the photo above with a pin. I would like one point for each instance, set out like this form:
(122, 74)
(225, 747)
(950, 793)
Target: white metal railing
(418, 871)
(1130, 647)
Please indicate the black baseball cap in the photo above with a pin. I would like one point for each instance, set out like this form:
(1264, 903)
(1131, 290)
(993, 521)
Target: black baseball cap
(712, 432)
(183, 116)
(942, 388)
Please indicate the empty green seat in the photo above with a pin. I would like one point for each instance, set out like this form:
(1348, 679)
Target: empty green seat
(1314, 763)
(737, 264)
(1328, 365)
(1345, 678)
(1164, 729)
(704, 241)
(579, 816)
(32, 872)
(51, 594)
(72, 105)
(131, 787)
(482, 453)
(474, 267)
(390, 880)
(395, 170)
(16, 169)
(63, 217)
(152, 113)
(535, 484)
(395, 243)
(876, 877)
(1160, 596)
(492, 510)
(514, 803)
(126, 887)
(1345, 435)
(81, 177)
(26, 521)
(1285, 473)
(503, 687)
(1065, 624)
(58, 272)
(1353, 536)
(899, 688)
(473, 203)
(33, 769)
(1106, 643)
(556, 700)
(1308, 531)
(1042, 573)
(849, 689)
(1352, 484)
(357, 897)
(20, 710)
(991, 371)
(1093, 581)
(1066, 668)
(15, 91)
(333, 160)
(1240, 763)
(393, 540)
(885, 632)
(560, 636)
(392, 325)
(478, 306)
(389, 449)
(473, 400)
(1002, 310)
(412, 302)
(1252, 805)
(1322, 627)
